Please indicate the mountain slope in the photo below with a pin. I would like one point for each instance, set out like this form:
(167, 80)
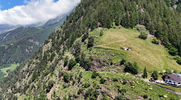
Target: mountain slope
(63, 66)
(19, 44)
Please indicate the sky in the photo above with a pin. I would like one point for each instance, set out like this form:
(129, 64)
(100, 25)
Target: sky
(26, 12)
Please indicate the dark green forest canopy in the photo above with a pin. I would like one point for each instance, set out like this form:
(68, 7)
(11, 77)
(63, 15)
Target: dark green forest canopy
(160, 19)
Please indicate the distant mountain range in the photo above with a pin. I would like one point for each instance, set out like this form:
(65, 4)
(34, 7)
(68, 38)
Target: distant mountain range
(6, 27)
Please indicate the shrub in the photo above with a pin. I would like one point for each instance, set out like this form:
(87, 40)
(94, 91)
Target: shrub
(86, 85)
(105, 97)
(66, 61)
(177, 57)
(92, 93)
(168, 71)
(115, 79)
(145, 96)
(155, 41)
(111, 63)
(102, 81)
(72, 63)
(173, 51)
(90, 42)
(73, 82)
(66, 77)
(88, 64)
(60, 74)
(120, 97)
(52, 57)
(122, 91)
(143, 35)
(154, 75)
(77, 49)
(94, 74)
(50, 85)
(79, 91)
(124, 81)
(179, 61)
(91, 58)
(101, 33)
(77, 59)
(85, 36)
(122, 61)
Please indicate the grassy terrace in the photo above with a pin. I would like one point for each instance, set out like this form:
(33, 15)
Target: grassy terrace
(145, 53)
(170, 87)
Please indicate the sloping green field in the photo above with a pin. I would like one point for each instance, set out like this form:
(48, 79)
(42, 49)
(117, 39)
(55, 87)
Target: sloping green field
(144, 52)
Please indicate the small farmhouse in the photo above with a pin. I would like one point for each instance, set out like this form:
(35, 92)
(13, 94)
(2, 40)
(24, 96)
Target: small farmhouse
(173, 79)
(126, 48)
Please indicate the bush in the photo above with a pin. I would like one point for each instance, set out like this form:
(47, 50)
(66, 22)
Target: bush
(50, 85)
(94, 74)
(88, 64)
(77, 59)
(105, 97)
(77, 49)
(173, 51)
(90, 42)
(122, 61)
(79, 91)
(123, 91)
(154, 75)
(72, 63)
(179, 61)
(168, 71)
(101, 33)
(92, 93)
(143, 35)
(155, 41)
(145, 96)
(115, 79)
(66, 61)
(120, 97)
(102, 81)
(66, 77)
(85, 37)
(124, 81)
(86, 85)
(177, 57)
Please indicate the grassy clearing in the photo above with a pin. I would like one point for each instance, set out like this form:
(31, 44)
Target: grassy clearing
(145, 53)
(11, 68)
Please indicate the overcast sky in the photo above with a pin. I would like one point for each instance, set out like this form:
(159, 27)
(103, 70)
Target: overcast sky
(34, 11)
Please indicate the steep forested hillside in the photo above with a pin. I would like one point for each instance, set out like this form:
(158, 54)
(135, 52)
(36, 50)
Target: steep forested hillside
(62, 67)
(19, 44)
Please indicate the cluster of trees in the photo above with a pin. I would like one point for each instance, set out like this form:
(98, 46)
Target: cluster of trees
(132, 68)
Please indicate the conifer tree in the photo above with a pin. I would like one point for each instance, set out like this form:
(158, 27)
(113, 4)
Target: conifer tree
(145, 73)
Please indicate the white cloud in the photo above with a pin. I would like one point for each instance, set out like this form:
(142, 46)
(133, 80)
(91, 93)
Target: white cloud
(36, 11)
